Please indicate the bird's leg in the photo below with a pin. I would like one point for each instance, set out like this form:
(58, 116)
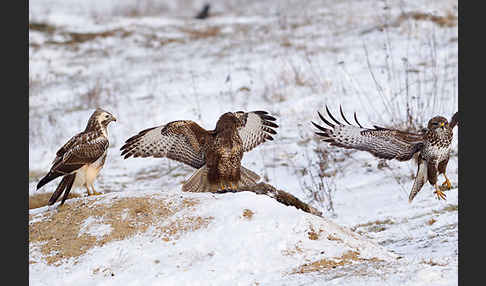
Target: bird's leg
(447, 184)
(87, 189)
(439, 193)
(95, 193)
(222, 186)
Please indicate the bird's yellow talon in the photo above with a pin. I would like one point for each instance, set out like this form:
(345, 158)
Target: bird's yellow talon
(447, 185)
(440, 194)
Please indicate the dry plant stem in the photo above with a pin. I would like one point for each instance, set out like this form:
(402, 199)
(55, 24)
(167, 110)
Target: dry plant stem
(279, 195)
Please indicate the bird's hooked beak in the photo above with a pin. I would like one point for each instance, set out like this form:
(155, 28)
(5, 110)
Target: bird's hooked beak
(113, 118)
(442, 124)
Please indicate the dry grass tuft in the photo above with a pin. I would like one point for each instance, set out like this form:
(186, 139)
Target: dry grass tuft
(42, 27)
(202, 34)
(433, 263)
(449, 20)
(373, 226)
(334, 238)
(325, 264)
(248, 214)
(41, 199)
(58, 236)
(313, 234)
(291, 252)
(76, 37)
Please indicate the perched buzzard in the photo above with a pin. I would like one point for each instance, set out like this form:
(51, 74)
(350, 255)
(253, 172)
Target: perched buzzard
(215, 153)
(80, 160)
(433, 146)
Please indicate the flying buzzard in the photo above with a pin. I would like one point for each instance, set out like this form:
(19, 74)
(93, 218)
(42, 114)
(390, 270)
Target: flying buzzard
(215, 153)
(80, 160)
(432, 146)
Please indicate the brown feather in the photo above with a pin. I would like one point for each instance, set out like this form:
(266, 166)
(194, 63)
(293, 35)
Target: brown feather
(83, 148)
(432, 145)
(216, 154)
(454, 120)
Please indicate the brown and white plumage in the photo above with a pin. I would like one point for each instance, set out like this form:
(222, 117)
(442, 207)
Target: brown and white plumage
(80, 159)
(215, 153)
(432, 145)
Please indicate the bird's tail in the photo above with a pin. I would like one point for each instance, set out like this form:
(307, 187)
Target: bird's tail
(420, 179)
(47, 178)
(64, 186)
(248, 177)
(199, 182)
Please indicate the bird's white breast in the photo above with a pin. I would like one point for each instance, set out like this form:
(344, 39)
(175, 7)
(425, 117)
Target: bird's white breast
(88, 173)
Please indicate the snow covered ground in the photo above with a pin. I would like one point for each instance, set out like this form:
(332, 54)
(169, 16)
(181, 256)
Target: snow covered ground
(150, 63)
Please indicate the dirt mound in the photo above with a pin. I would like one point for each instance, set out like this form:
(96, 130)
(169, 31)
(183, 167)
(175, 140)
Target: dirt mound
(78, 226)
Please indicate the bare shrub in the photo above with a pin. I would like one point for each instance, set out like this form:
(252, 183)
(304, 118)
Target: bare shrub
(98, 95)
(321, 186)
(299, 73)
(413, 80)
(316, 177)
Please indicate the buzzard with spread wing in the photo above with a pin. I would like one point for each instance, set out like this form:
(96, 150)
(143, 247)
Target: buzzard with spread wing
(216, 154)
(433, 146)
(80, 160)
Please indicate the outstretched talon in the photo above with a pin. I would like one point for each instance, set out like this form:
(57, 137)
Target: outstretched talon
(440, 194)
(95, 193)
(447, 184)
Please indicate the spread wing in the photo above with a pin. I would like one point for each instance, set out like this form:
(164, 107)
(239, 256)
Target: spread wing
(84, 148)
(382, 142)
(183, 140)
(256, 128)
(454, 120)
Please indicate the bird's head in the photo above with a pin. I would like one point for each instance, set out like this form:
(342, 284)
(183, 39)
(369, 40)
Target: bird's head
(227, 121)
(104, 117)
(438, 124)
(100, 117)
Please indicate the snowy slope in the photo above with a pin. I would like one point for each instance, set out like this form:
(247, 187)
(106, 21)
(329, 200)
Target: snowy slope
(152, 63)
(266, 246)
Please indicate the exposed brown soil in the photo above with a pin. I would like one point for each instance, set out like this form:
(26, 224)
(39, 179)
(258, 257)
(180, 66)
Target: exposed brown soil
(447, 21)
(41, 199)
(248, 214)
(58, 234)
(203, 33)
(324, 264)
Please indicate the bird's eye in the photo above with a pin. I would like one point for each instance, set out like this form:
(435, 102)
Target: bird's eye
(106, 116)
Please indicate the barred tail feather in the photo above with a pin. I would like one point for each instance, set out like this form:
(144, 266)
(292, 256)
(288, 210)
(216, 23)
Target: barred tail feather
(198, 182)
(248, 177)
(47, 178)
(69, 185)
(420, 179)
(64, 186)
